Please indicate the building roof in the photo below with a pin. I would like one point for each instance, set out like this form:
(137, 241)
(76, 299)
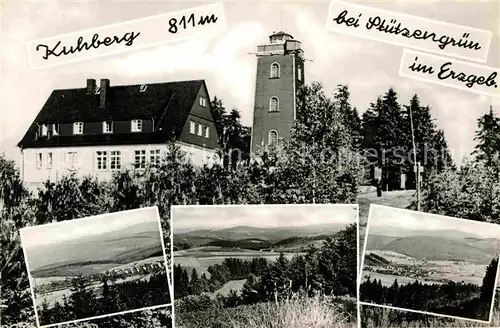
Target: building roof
(168, 104)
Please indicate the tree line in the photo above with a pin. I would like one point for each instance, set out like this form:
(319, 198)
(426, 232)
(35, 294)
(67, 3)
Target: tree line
(451, 298)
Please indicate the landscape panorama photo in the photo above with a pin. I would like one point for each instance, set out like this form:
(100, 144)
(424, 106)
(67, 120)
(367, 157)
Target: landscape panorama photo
(97, 266)
(429, 264)
(247, 265)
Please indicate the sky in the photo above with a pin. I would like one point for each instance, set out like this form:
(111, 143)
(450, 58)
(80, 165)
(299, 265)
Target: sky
(368, 67)
(187, 218)
(394, 219)
(94, 225)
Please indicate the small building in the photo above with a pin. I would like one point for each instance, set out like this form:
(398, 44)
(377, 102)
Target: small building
(97, 130)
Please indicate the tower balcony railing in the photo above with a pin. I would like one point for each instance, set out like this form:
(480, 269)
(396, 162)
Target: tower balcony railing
(271, 49)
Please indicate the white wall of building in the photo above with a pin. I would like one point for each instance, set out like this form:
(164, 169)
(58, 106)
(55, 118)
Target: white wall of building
(35, 173)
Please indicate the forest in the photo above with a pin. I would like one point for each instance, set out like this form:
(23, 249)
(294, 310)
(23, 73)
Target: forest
(456, 299)
(111, 297)
(301, 170)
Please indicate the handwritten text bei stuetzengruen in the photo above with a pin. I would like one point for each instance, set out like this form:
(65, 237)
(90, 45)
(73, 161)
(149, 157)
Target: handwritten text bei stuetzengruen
(81, 45)
(392, 26)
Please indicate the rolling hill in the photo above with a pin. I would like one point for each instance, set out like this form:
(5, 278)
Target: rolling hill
(96, 252)
(435, 248)
(241, 233)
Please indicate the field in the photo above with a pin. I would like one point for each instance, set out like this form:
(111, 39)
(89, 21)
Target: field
(200, 258)
(233, 285)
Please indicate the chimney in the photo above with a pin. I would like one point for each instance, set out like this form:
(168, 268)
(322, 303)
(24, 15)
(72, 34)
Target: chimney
(104, 92)
(90, 86)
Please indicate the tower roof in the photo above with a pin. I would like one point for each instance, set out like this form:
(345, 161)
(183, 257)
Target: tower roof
(280, 33)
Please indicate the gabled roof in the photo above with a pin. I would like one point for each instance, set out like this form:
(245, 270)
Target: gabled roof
(168, 104)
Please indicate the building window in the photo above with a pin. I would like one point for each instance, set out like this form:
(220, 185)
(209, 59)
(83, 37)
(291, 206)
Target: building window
(155, 157)
(203, 102)
(102, 160)
(207, 132)
(274, 104)
(43, 130)
(107, 127)
(200, 129)
(299, 73)
(38, 160)
(55, 129)
(115, 160)
(140, 159)
(192, 127)
(71, 157)
(275, 71)
(273, 137)
(49, 160)
(78, 128)
(136, 126)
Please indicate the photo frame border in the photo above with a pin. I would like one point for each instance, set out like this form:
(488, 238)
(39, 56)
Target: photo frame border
(168, 271)
(490, 316)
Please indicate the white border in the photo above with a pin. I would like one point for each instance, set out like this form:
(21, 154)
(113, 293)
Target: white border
(416, 311)
(111, 314)
(354, 206)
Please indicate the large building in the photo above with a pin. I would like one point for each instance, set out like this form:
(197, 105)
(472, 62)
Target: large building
(99, 129)
(280, 72)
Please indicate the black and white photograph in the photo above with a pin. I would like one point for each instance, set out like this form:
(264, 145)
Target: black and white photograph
(97, 266)
(430, 263)
(250, 264)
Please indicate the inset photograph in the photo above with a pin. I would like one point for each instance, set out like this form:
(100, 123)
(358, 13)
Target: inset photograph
(97, 266)
(265, 266)
(429, 264)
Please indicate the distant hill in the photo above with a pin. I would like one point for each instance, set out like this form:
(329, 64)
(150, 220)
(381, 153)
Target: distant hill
(437, 249)
(126, 245)
(269, 235)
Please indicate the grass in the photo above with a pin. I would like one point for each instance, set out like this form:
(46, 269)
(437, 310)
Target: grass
(298, 313)
(292, 313)
(429, 321)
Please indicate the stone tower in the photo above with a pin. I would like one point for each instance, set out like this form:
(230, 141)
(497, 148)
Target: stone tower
(280, 71)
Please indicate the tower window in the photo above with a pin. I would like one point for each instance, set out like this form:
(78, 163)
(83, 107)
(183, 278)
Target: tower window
(274, 104)
(273, 137)
(275, 71)
(299, 73)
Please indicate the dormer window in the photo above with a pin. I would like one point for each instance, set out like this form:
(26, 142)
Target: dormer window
(203, 102)
(136, 126)
(43, 130)
(78, 128)
(143, 87)
(275, 71)
(107, 127)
